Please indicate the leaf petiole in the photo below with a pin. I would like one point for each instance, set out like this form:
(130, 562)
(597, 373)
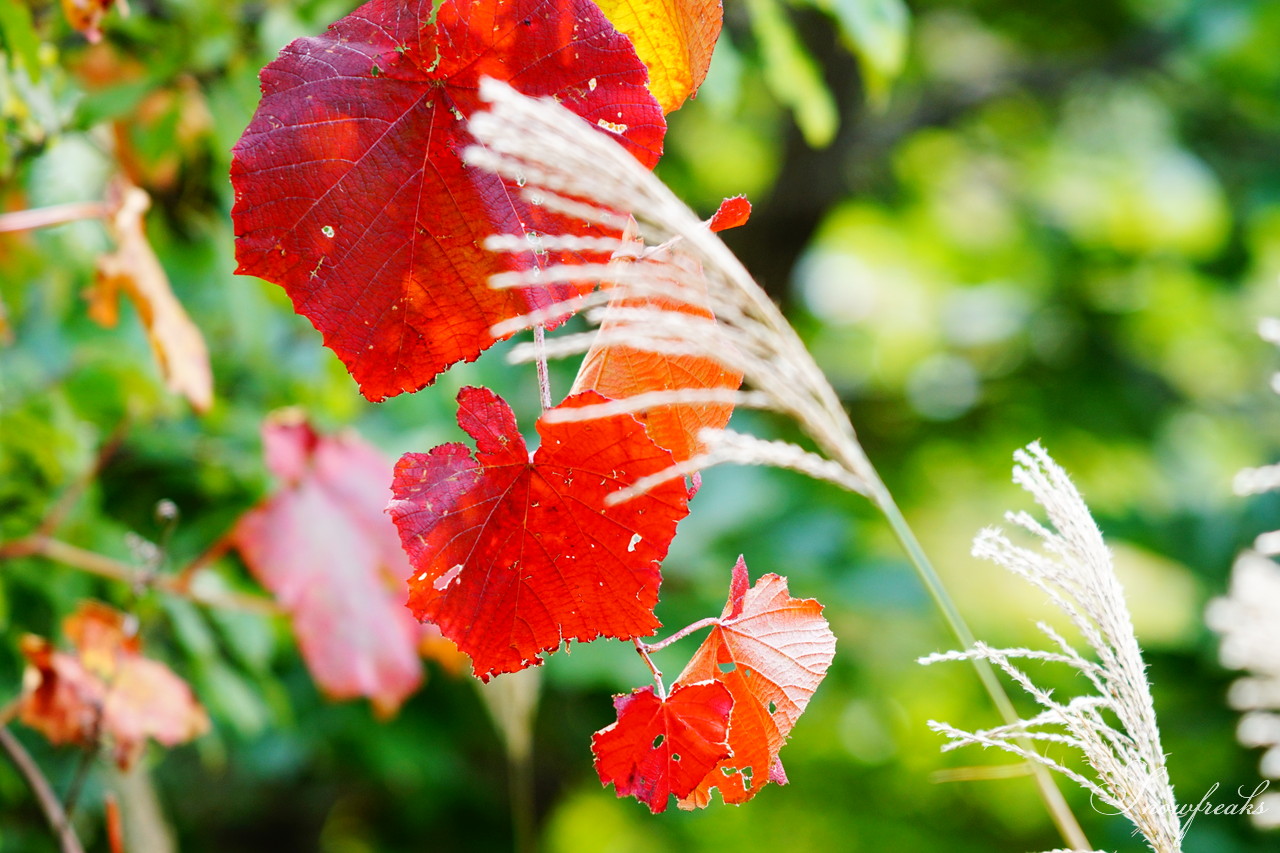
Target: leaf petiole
(643, 649)
(681, 634)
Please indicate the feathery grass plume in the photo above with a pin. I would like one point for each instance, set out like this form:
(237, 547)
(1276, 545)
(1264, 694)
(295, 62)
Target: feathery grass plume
(1248, 619)
(565, 166)
(1114, 726)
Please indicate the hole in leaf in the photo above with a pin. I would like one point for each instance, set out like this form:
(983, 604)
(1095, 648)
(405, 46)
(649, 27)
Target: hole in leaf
(675, 756)
(746, 776)
(773, 708)
(728, 667)
(657, 742)
(728, 771)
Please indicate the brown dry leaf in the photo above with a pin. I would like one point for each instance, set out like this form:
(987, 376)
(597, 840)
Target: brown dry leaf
(133, 267)
(105, 689)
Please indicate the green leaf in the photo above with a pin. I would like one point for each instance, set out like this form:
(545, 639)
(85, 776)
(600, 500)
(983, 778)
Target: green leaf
(20, 36)
(791, 74)
(876, 32)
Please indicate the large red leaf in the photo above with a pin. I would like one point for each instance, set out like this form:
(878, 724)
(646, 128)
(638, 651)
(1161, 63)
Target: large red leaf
(771, 651)
(106, 689)
(660, 747)
(322, 545)
(513, 555)
(350, 190)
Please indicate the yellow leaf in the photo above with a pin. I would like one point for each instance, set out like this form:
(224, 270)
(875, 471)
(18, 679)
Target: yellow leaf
(674, 39)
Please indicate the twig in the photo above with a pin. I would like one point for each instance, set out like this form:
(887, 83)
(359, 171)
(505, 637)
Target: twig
(657, 673)
(39, 785)
(106, 567)
(544, 375)
(72, 797)
(680, 635)
(67, 500)
(183, 579)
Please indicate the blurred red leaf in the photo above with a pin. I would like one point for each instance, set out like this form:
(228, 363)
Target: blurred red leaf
(771, 651)
(323, 547)
(514, 554)
(617, 371)
(106, 689)
(350, 188)
(660, 747)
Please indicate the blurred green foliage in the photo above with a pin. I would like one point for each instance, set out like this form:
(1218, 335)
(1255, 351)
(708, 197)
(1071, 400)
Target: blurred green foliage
(993, 221)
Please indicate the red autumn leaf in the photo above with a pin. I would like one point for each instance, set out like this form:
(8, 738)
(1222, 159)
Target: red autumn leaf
(324, 549)
(107, 689)
(731, 213)
(514, 554)
(771, 651)
(618, 371)
(660, 747)
(350, 188)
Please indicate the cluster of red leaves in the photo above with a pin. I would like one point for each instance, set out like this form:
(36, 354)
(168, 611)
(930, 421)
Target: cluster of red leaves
(730, 711)
(351, 193)
(105, 690)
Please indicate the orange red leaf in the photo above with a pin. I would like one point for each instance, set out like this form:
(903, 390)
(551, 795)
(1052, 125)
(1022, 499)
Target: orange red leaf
(731, 213)
(771, 651)
(617, 370)
(514, 554)
(105, 690)
(659, 747)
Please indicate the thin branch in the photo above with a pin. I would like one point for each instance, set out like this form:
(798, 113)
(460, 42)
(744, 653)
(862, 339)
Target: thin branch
(67, 500)
(653, 667)
(183, 579)
(58, 214)
(83, 767)
(106, 567)
(39, 785)
(544, 375)
(680, 635)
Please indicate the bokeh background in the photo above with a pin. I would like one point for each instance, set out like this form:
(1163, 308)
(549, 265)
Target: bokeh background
(993, 222)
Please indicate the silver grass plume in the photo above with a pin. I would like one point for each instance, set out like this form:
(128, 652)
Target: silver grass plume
(1248, 619)
(1114, 725)
(566, 166)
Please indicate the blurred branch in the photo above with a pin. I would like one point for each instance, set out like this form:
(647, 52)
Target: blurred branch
(39, 545)
(39, 785)
(68, 499)
(58, 214)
